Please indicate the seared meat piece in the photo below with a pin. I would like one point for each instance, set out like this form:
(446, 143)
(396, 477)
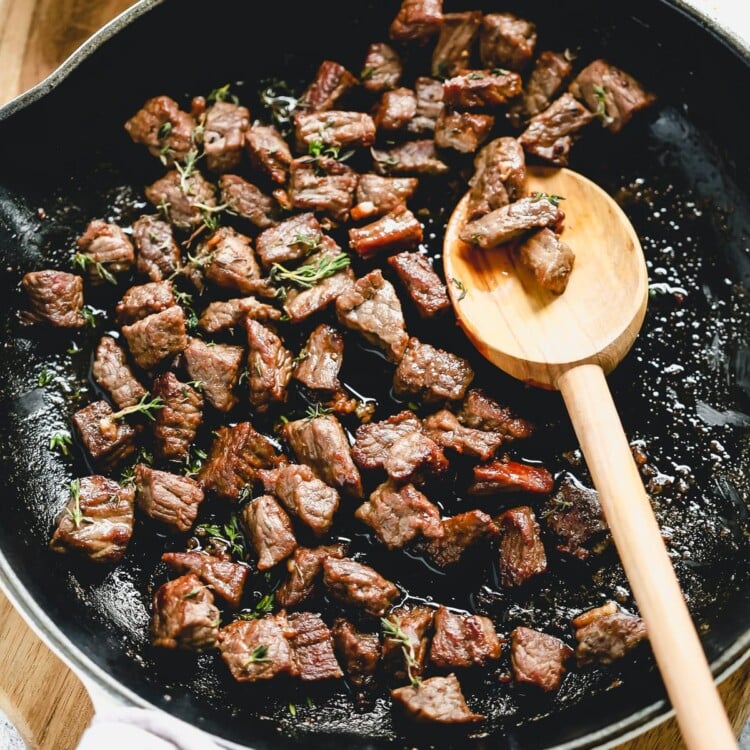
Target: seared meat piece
(575, 515)
(382, 68)
(257, 649)
(224, 135)
(230, 262)
(321, 443)
(158, 253)
(410, 158)
(177, 422)
(312, 647)
(358, 653)
(236, 455)
(304, 568)
(171, 499)
(139, 302)
(157, 337)
(373, 441)
(107, 441)
(322, 184)
(352, 583)
(106, 249)
(217, 369)
(499, 177)
(412, 456)
(269, 366)
(506, 41)
(508, 222)
(445, 430)
(463, 640)
(371, 307)
(453, 49)
(268, 152)
(223, 314)
(610, 93)
(421, 282)
(606, 634)
(111, 371)
(163, 128)
(97, 521)
(481, 88)
(248, 201)
(429, 93)
(55, 298)
(184, 615)
(463, 131)
(321, 359)
(399, 514)
(551, 133)
(226, 578)
(336, 128)
(548, 258)
(416, 624)
(460, 533)
(397, 230)
(416, 20)
(538, 658)
(431, 374)
(481, 412)
(270, 531)
(521, 550)
(551, 70)
(290, 239)
(180, 199)
(396, 109)
(437, 700)
(331, 82)
(501, 476)
(378, 195)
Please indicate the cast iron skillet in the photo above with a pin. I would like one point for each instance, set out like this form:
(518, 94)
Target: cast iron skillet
(681, 172)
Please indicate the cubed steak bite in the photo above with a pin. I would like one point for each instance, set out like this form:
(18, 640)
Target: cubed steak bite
(158, 255)
(334, 128)
(453, 49)
(373, 441)
(332, 80)
(396, 109)
(548, 258)
(171, 499)
(503, 476)
(322, 184)
(224, 135)
(464, 132)
(407, 630)
(377, 195)
(398, 230)
(304, 570)
(320, 360)
(606, 634)
(248, 201)
(111, 371)
(444, 428)
(350, 582)
(522, 554)
(437, 700)
(382, 68)
(290, 239)
(499, 177)
(270, 530)
(221, 315)
(269, 365)
(163, 128)
(108, 441)
(54, 298)
(268, 152)
(217, 368)
(462, 640)
(459, 534)
(157, 337)
(481, 412)
(104, 250)
(224, 577)
(97, 521)
(427, 291)
(551, 71)
(506, 41)
(481, 89)
(358, 653)
(143, 300)
(408, 159)
(312, 647)
(414, 457)
(430, 104)
(416, 20)
(538, 658)
(183, 200)
(228, 261)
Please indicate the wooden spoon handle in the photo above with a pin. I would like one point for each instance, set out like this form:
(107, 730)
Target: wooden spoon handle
(678, 651)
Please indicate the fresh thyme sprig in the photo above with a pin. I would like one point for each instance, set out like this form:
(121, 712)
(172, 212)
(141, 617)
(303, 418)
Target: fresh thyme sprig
(83, 261)
(45, 377)
(142, 457)
(310, 274)
(185, 299)
(61, 442)
(194, 461)
(186, 169)
(75, 513)
(309, 241)
(317, 410)
(144, 406)
(549, 197)
(261, 609)
(221, 94)
(461, 288)
(392, 631)
(229, 534)
(601, 105)
(258, 656)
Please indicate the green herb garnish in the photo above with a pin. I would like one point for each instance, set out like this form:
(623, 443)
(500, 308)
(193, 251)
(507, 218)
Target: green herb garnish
(308, 275)
(392, 631)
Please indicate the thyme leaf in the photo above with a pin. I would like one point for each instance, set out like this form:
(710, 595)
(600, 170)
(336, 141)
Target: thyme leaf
(549, 197)
(221, 94)
(601, 105)
(75, 513)
(144, 406)
(45, 377)
(229, 534)
(258, 656)
(83, 261)
(461, 288)
(263, 607)
(392, 630)
(310, 274)
(61, 442)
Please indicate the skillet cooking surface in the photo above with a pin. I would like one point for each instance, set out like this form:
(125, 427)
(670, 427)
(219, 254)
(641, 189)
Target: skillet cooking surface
(680, 172)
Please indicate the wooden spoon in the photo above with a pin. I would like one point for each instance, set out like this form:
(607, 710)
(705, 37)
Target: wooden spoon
(568, 343)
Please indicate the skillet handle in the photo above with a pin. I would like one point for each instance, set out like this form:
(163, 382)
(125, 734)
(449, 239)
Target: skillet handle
(675, 643)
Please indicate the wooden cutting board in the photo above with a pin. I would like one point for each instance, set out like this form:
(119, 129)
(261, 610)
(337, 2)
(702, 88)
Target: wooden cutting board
(42, 697)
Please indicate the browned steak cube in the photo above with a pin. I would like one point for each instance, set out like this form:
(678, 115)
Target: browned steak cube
(506, 41)
(538, 658)
(413, 457)
(481, 412)
(217, 369)
(163, 128)
(502, 476)
(378, 195)
(399, 229)
(499, 177)
(372, 308)
(107, 441)
(105, 250)
(550, 72)
(464, 132)
(431, 374)
(156, 337)
(452, 52)
(248, 201)
(236, 455)
(111, 371)
(416, 20)
(331, 82)
(270, 531)
(522, 553)
(399, 514)
(429, 93)
(321, 443)
(357, 652)
(269, 366)
(396, 109)
(230, 262)
(257, 649)
(291, 239)
(55, 298)
(481, 89)
(158, 254)
(610, 93)
(180, 199)
(382, 69)
(143, 300)
(171, 499)
(415, 623)
(334, 128)
(463, 640)
(546, 256)
(410, 158)
(322, 184)
(460, 533)
(551, 133)
(304, 568)
(97, 521)
(312, 647)
(177, 422)
(352, 583)
(268, 152)
(447, 431)
(373, 441)
(437, 700)
(223, 314)
(184, 615)
(606, 634)
(421, 282)
(224, 135)
(321, 359)
(226, 578)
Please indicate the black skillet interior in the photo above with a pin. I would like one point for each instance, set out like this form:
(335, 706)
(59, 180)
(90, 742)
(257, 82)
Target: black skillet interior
(682, 172)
